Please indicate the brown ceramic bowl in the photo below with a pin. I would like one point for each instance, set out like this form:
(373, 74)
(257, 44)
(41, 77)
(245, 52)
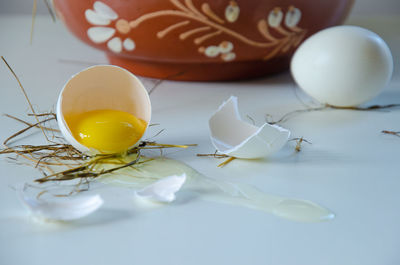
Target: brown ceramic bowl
(199, 39)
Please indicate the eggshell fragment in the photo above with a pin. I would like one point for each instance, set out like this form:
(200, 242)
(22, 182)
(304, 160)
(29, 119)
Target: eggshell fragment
(343, 66)
(101, 87)
(58, 208)
(234, 137)
(163, 190)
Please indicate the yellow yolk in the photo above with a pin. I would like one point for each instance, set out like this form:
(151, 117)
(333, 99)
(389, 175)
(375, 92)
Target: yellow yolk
(108, 131)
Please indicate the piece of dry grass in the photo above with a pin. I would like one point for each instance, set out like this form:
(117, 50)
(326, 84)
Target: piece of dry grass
(391, 133)
(288, 115)
(299, 142)
(34, 13)
(34, 9)
(219, 156)
(50, 158)
(26, 97)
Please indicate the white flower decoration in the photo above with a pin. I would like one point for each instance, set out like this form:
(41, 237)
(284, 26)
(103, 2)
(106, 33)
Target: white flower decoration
(225, 46)
(212, 51)
(232, 12)
(292, 17)
(224, 49)
(275, 17)
(101, 15)
(230, 56)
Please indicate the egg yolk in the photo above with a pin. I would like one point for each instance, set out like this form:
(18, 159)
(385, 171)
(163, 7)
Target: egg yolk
(108, 131)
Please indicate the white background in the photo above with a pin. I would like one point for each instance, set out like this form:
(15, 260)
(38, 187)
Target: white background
(351, 168)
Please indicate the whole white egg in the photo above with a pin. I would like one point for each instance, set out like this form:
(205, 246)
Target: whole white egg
(343, 66)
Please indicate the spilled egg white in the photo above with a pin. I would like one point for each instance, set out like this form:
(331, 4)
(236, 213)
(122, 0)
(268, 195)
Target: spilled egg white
(232, 136)
(101, 87)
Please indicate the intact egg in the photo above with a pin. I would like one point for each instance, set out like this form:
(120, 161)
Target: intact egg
(343, 66)
(103, 109)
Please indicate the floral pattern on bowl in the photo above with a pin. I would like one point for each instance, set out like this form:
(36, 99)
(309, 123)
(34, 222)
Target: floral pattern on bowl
(101, 16)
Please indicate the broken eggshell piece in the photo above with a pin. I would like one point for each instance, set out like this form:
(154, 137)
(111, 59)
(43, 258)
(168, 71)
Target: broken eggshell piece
(162, 190)
(57, 208)
(98, 88)
(234, 137)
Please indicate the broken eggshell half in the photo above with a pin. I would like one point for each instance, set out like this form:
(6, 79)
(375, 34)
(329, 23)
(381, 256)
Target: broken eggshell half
(57, 208)
(232, 136)
(101, 87)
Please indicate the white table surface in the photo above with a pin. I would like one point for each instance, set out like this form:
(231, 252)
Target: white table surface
(351, 168)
